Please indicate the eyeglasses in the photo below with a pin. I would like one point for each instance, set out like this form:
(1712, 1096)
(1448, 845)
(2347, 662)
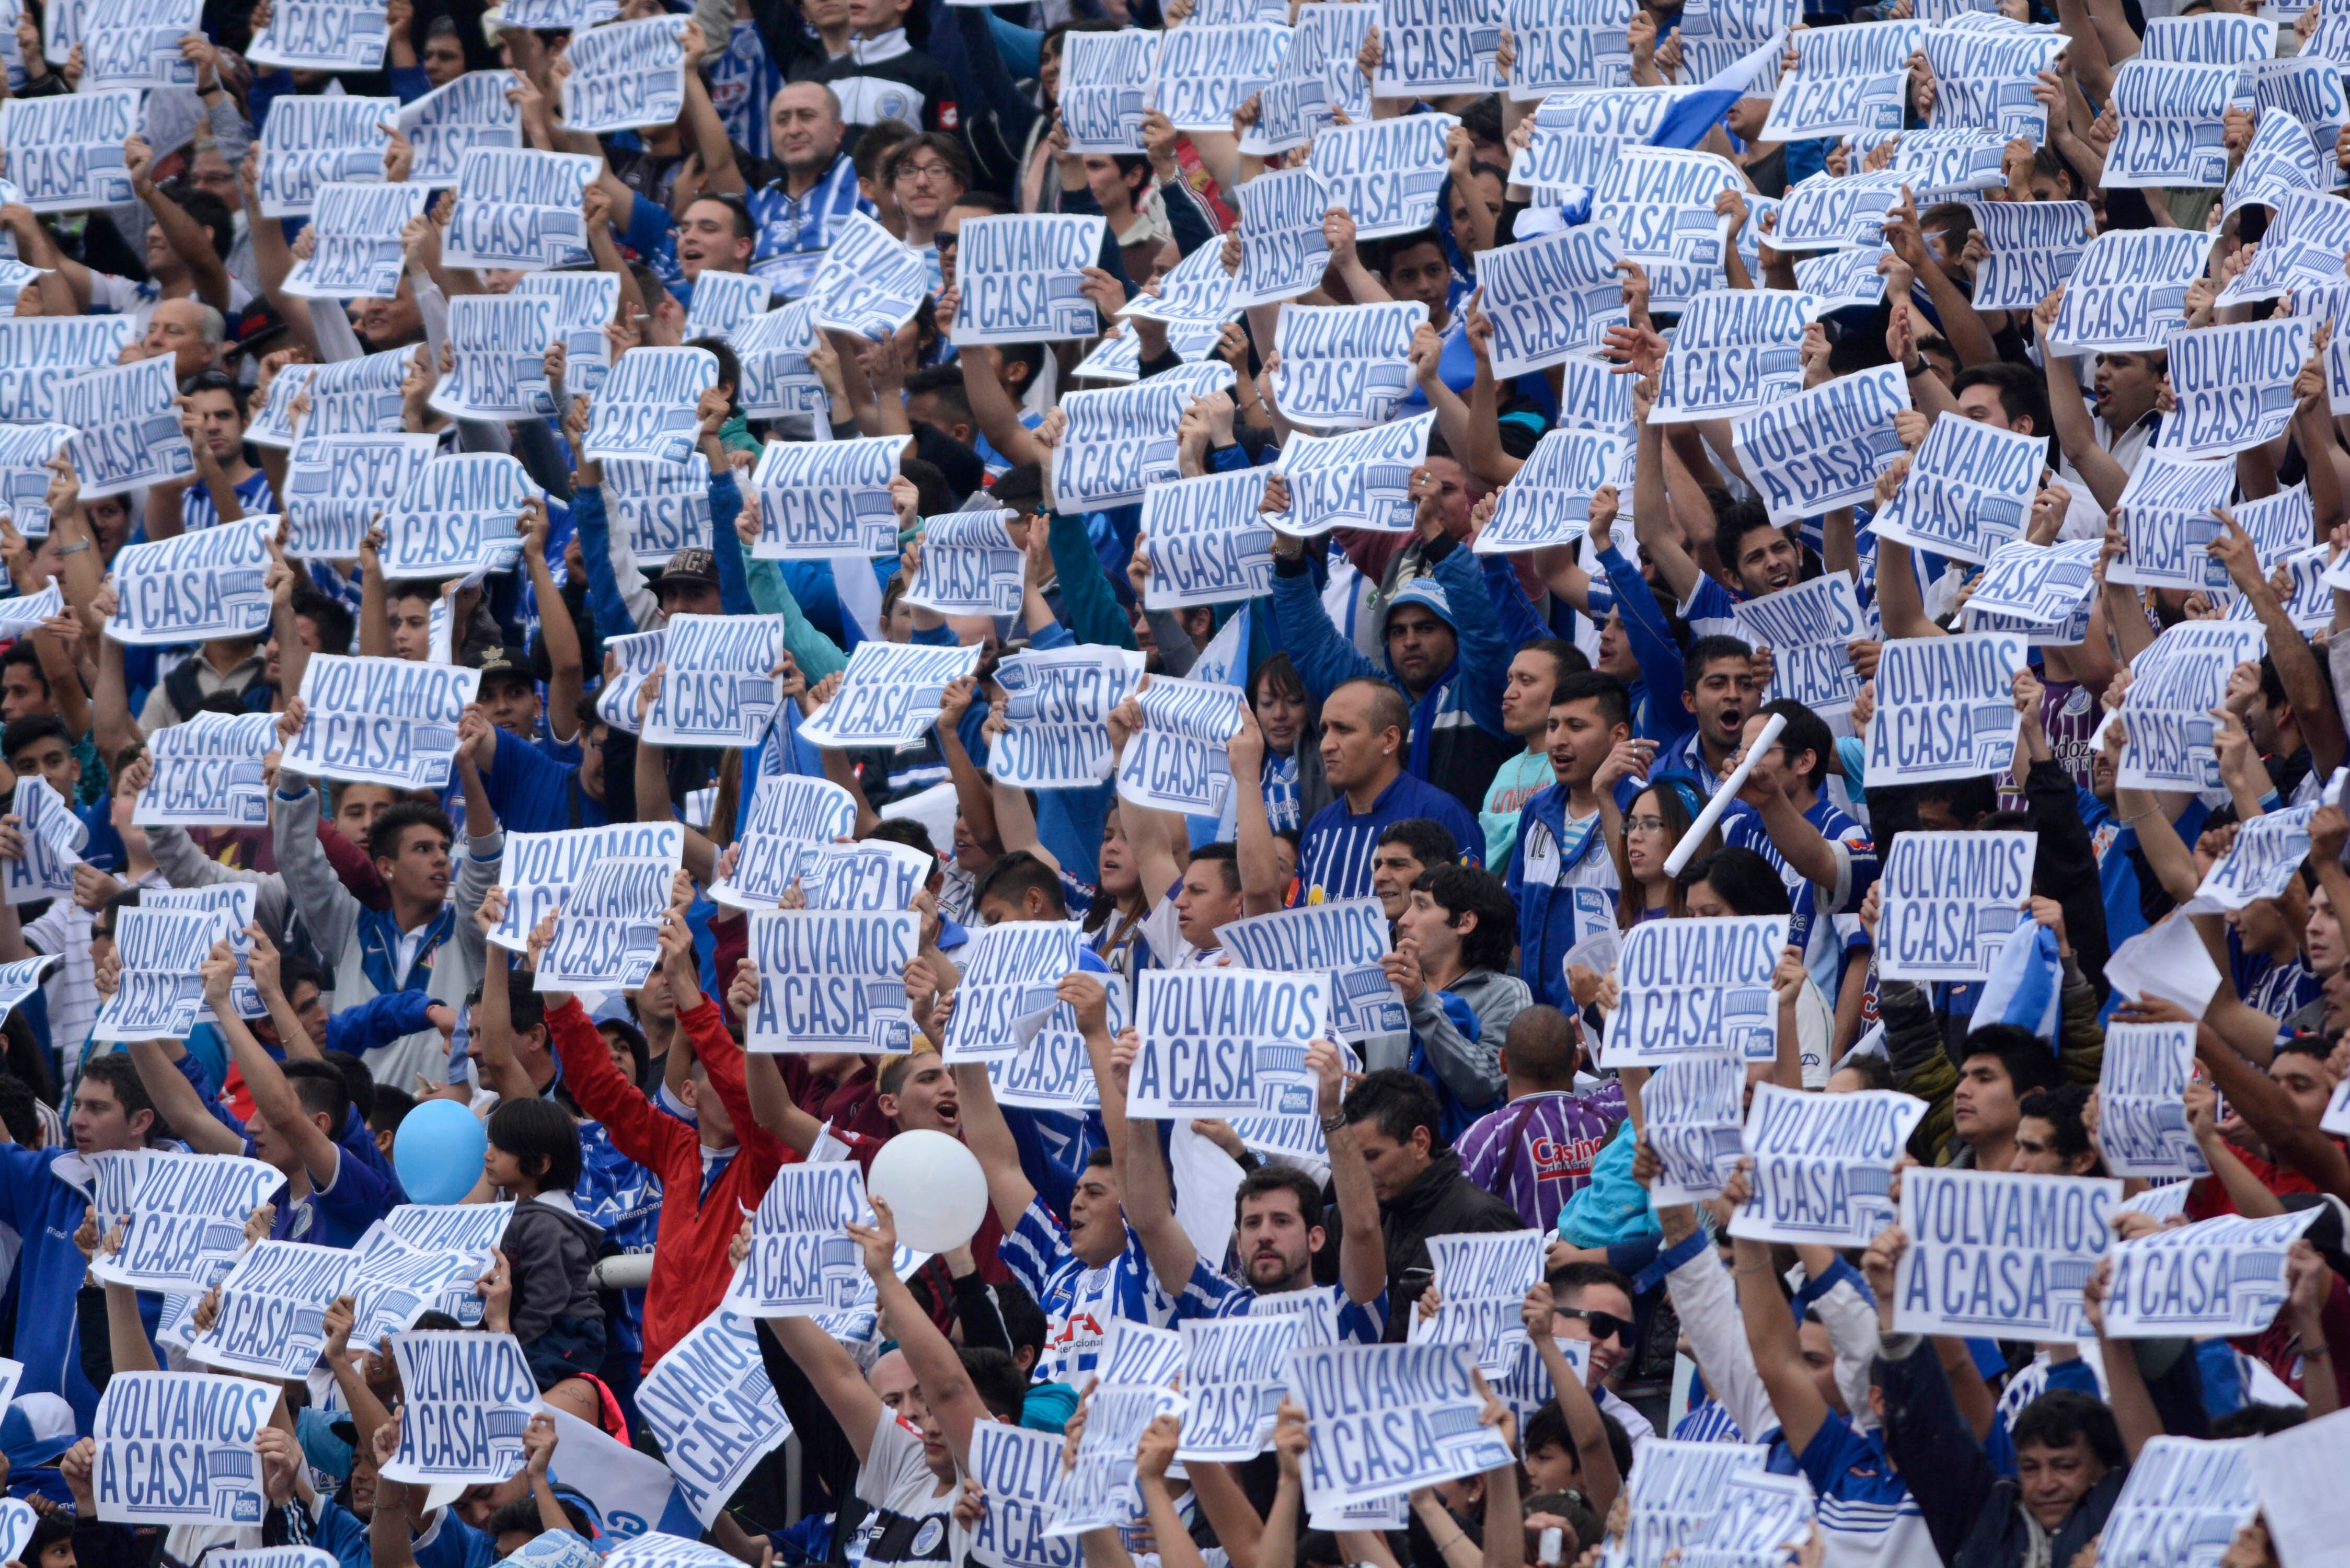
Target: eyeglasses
(1644, 824)
(924, 171)
(1603, 1324)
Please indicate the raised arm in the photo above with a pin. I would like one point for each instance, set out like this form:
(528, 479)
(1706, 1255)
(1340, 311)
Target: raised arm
(947, 1388)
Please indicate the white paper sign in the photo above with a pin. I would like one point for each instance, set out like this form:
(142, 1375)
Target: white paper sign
(1385, 1417)
(1823, 448)
(447, 122)
(647, 407)
(1057, 702)
(321, 35)
(889, 695)
(470, 1395)
(1484, 1279)
(381, 721)
(357, 253)
(209, 772)
(533, 221)
(1547, 501)
(1695, 988)
(1019, 1472)
(318, 142)
(1282, 253)
(64, 153)
(1736, 352)
(624, 75)
(2000, 1255)
(2129, 291)
(459, 516)
(1359, 480)
(187, 1211)
(1105, 82)
(831, 979)
(2234, 386)
(1386, 172)
(1550, 298)
(2223, 1276)
(159, 994)
(822, 499)
(1807, 626)
(1946, 707)
(176, 1448)
(1205, 73)
(1206, 542)
(337, 485)
(2184, 1499)
(127, 427)
(1121, 439)
(192, 587)
(1224, 1041)
(1176, 761)
(1010, 972)
(721, 685)
(273, 1310)
(2033, 246)
(1694, 1116)
(2141, 1120)
(1949, 901)
(1019, 280)
(2166, 711)
(1824, 1164)
(1343, 939)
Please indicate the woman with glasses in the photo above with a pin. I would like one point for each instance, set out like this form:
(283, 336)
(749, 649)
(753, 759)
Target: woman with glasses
(1660, 816)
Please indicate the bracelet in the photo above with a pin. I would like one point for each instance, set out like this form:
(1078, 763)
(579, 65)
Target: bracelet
(2313, 1351)
(75, 549)
(1332, 1122)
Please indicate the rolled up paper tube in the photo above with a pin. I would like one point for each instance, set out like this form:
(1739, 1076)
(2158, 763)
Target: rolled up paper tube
(1714, 807)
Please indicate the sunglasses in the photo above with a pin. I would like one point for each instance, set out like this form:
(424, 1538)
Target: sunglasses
(1603, 1324)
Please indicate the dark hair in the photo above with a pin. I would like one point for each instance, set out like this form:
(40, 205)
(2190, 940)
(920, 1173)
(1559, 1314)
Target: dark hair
(1472, 890)
(1875, 1072)
(2254, 1419)
(1012, 877)
(746, 228)
(1806, 731)
(1543, 1048)
(1431, 842)
(948, 148)
(1396, 1100)
(520, 1517)
(2048, 162)
(1482, 118)
(1024, 1320)
(212, 214)
(1597, 686)
(1263, 1178)
(319, 1088)
(1571, 659)
(16, 1112)
(1389, 711)
(47, 1530)
(1225, 854)
(1582, 1276)
(1711, 649)
(904, 830)
(24, 731)
(2023, 395)
(2029, 1062)
(293, 969)
(22, 651)
(730, 368)
(384, 836)
(358, 1085)
(330, 616)
(1281, 674)
(1732, 524)
(1743, 878)
(2063, 1415)
(875, 144)
(120, 1075)
(891, 1078)
(997, 1379)
(214, 381)
(943, 383)
(1547, 1428)
(1674, 811)
(1970, 799)
(543, 1137)
(2061, 1106)
(392, 1104)
(992, 202)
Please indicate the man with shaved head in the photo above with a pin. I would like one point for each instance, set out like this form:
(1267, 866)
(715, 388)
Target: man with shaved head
(798, 215)
(1366, 738)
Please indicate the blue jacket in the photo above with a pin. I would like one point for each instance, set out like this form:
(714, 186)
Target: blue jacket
(1457, 738)
(1553, 919)
(44, 1205)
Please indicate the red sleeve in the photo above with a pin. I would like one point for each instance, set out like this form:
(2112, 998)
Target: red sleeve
(722, 1058)
(351, 864)
(645, 1134)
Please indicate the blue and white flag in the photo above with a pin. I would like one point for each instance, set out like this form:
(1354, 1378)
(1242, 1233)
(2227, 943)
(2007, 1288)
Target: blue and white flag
(1386, 172)
(518, 209)
(322, 142)
(2033, 246)
(461, 516)
(1019, 279)
(818, 500)
(1946, 707)
(625, 76)
(357, 253)
(1823, 448)
(126, 420)
(1344, 366)
(192, 586)
(1969, 490)
(380, 720)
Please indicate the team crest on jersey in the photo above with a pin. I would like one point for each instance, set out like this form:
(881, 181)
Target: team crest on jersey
(926, 1538)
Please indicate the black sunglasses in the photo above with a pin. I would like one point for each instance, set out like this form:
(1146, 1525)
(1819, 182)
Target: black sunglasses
(1603, 1324)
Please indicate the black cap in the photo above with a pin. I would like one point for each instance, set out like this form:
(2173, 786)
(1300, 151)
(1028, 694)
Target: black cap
(502, 659)
(697, 566)
(1021, 488)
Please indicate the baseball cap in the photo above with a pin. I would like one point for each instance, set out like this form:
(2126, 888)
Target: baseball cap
(36, 1430)
(696, 565)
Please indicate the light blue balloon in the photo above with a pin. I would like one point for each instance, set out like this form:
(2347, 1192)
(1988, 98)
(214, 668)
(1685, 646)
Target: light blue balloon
(438, 1152)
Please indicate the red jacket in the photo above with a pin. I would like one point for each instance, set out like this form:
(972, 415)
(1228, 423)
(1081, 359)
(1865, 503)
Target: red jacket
(689, 1272)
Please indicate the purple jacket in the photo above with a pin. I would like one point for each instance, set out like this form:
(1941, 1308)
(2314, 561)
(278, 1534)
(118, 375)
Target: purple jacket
(1537, 1152)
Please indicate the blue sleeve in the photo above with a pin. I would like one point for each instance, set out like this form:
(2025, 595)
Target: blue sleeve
(340, 1533)
(1053, 1182)
(605, 605)
(648, 230)
(1054, 636)
(933, 636)
(1511, 608)
(1325, 660)
(734, 584)
(1484, 652)
(1652, 644)
(409, 83)
(1088, 597)
(521, 780)
(380, 1019)
(194, 1071)
(2075, 1375)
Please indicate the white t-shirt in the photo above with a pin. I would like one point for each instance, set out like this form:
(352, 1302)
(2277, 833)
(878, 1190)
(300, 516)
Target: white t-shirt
(913, 1517)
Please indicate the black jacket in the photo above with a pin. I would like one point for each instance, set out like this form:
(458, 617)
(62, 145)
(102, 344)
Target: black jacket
(1442, 1202)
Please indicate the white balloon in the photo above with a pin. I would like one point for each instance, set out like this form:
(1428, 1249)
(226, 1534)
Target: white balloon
(934, 1188)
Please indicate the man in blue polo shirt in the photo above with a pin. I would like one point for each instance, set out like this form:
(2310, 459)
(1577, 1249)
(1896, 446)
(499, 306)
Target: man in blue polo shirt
(1366, 730)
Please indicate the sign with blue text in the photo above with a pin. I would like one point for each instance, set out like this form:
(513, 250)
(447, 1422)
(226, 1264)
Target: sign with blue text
(1983, 81)
(647, 407)
(1176, 761)
(1550, 298)
(1946, 707)
(1359, 480)
(1019, 1471)
(1564, 46)
(271, 1321)
(1695, 988)
(1806, 627)
(1205, 541)
(1105, 79)
(2184, 1499)
(2141, 1115)
(357, 255)
(176, 1448)
(127, 427)
(461, 516)
(1120, 440)
(1010, 972)
(1736, 352)
(1824, 1164)
(607, 936)
(54, 838)
(380, 720)
(209, 771)
(470, 111)
(1824, 447)
(337, 485)
(40, 353)
(1019, 279)
(1694, 1114)
(720, 689)
(1432, 47)
(1207, 72)
(64, 153)
(470, 1395)
(2167, 710)
(1949, 901)
(2234, 386)
(969, 565)
(185, 1223)
(1847, 81)
(889, 695)
(1344, 940)
(192, 587)
(539, 869)
(2173, 129)
(2223, 1276)
(1224, 1043)
(323, 141)
(1386, 172)
(532, 222)
(321, 35)
(1389, 1417)
(1283, 252)
(822, 499)
(802, 1263)
(1823, 212)
(831, 979)
(1484, 1279)
(1548, 500)
(625, 76)
(1236, 1368)
(1657, 202)
(1344, 366)
(1057, 702)
(2129, 291)
(2033, 247)
(1969, 491)
(2001, 1255)
(1676, 1492)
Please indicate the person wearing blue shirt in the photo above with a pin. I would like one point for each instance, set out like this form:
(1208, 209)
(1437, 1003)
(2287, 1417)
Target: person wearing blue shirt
(799, 215)
(1828, 861)
(1364, 724)
(44, 1195)
(1561, 871)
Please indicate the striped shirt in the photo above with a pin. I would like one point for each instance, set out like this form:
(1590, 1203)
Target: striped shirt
(1333, 1318)
(1079, 1298)
(795, 231)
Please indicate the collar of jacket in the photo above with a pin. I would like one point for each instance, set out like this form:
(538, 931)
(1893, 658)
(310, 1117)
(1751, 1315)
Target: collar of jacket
(1427, 1187)
(881, 46)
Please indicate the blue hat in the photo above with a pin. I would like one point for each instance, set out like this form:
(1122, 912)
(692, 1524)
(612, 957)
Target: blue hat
(556, 1549)
(36, 1430)
(1423, 591)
